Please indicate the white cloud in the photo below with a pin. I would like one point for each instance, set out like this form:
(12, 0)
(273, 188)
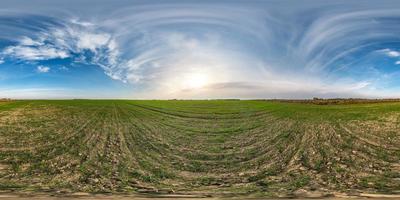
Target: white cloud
(43, 69)
(92, 41)
(397, 62)
(71, 41)
(1, 61)
(390, 53)
(393, 53)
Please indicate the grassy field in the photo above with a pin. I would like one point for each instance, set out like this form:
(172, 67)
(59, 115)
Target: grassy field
(252, 148)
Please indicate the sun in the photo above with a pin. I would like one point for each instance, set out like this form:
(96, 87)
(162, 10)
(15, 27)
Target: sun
(195, 81)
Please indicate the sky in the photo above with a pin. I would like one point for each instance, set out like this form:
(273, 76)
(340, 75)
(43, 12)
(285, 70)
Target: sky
(207, 49)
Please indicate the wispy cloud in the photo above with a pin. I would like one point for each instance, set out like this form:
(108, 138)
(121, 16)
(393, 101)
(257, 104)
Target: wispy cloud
(35, 53)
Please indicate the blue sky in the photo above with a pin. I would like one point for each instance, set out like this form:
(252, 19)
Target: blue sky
(199, 49)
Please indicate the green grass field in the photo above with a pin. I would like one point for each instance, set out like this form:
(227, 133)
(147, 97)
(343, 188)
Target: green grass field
(256, 148)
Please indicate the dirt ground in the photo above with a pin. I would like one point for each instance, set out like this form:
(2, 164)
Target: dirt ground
(86, 196)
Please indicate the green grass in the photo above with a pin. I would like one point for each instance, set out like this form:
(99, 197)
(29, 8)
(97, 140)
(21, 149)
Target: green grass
(253, 146)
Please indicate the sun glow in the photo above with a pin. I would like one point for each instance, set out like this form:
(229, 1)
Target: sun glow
(195, 81)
